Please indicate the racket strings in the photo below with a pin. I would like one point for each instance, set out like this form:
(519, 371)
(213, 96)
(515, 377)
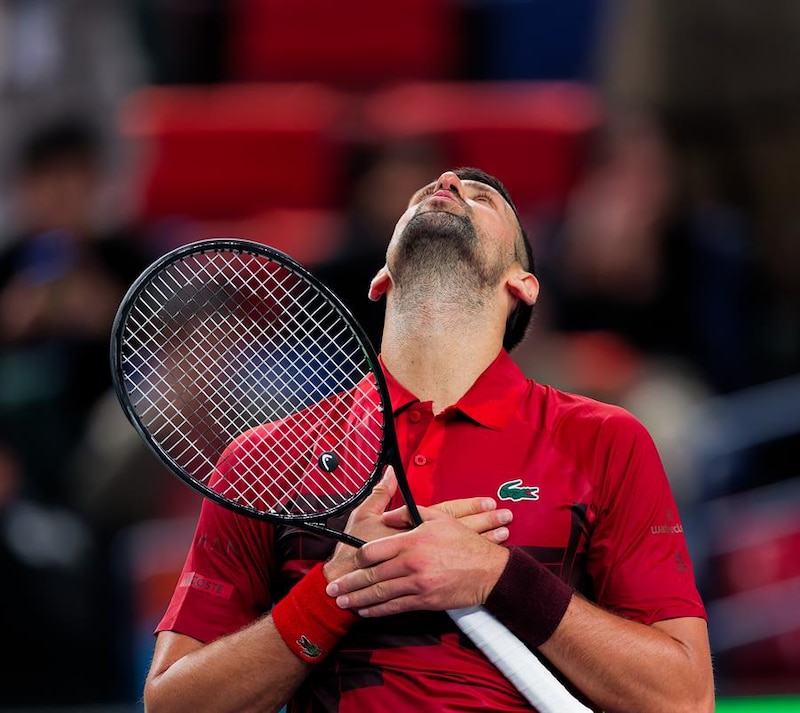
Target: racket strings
(245, 374)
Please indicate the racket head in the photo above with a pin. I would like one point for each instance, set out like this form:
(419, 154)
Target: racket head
(252, 381)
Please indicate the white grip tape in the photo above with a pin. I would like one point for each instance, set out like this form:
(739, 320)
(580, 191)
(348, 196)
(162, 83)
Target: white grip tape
(518, 663)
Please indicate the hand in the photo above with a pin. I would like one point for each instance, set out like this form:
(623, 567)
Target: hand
(452, 560)
(369, 521)
(365, 523)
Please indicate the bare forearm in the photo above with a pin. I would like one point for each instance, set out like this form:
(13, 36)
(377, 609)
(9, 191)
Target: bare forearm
(627, 667)
(250, 670)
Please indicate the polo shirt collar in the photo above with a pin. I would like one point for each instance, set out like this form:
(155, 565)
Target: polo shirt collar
(490, 401)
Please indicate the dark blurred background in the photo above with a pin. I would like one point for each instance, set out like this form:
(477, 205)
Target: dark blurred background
(652, 147)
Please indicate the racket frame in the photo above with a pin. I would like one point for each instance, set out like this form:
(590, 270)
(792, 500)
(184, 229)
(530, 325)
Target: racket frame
(388, 455)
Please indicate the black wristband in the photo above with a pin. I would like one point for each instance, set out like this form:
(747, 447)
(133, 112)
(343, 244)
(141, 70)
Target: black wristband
(529, 599)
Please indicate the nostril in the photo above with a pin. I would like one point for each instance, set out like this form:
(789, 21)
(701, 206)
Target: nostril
(450, 182)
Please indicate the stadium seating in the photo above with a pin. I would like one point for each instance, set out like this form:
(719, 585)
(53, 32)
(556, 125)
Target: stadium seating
(535, 136)
(268, 161)
(357, 44)
(231, 151)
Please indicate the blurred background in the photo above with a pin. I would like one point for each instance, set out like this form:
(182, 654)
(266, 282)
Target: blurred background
(652, 147)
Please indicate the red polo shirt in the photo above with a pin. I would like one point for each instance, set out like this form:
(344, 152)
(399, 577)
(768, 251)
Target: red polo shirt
(590, 500)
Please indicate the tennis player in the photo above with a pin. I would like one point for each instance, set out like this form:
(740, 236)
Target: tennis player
(550, 509)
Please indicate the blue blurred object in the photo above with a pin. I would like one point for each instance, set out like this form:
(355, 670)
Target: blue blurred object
(48, 256)
(541, 39)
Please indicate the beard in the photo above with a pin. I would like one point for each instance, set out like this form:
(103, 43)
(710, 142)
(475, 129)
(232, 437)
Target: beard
(439, 255)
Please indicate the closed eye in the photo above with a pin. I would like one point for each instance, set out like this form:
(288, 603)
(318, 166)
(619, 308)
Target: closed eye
(422, 193)
(482, 196)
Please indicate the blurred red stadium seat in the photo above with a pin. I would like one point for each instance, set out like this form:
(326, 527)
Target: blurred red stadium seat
(231, 151)
(357, 44)
(309, 236)
(534, 136)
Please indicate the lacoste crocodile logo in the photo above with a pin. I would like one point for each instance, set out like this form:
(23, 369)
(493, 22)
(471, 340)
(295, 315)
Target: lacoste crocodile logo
(309, 649)
(515, 490)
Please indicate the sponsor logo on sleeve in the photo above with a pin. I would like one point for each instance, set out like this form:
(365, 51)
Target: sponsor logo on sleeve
(668, 527)
(193, 580)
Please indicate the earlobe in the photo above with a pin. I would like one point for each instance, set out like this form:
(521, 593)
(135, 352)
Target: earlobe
(379, 284)
(525, 287)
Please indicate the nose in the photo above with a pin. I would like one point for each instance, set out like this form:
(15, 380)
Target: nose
(450, 182)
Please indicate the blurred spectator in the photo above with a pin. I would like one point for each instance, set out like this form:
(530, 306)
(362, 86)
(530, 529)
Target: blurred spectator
(674, 280)
(64, 56)
(63, 273)
(647, 302)
(62, 277)
(721, 76)
(381, 176)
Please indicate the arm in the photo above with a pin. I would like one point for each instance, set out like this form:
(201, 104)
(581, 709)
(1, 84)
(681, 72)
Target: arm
(622, 665)
(253, 668)
(627, 666)
(250, 670)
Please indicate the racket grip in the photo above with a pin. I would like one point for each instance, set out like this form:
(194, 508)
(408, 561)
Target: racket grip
(516, 661)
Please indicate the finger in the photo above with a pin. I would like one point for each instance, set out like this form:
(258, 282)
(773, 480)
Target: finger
(465, 506)
(400, 605)
(487, 521)
(368, 585)
(459, 509)
(380, 550)
(399, 518)
(381, 494)
(498, 536)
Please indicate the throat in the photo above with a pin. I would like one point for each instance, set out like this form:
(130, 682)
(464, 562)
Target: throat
(436, 361)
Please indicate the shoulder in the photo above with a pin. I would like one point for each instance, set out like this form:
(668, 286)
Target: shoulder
(594, 435)
(571, 413)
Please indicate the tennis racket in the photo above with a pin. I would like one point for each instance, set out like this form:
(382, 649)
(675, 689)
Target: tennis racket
(253, 383)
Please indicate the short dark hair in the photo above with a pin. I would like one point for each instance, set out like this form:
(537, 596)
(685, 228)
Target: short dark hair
(63, 139)
(520, 317)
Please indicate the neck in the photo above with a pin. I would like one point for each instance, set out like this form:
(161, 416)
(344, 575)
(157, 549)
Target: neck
(437, 354)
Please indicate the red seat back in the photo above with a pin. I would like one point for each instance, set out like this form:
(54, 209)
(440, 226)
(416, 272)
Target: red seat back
(233, 151)
(533, 136)
(358, 43)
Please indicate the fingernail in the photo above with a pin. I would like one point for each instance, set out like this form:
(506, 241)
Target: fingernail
(342, 601)
(332, 589)
(487, 504)
(505, 516)
(501, 533)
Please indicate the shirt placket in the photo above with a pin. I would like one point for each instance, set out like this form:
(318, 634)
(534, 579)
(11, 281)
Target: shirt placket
(421, 438)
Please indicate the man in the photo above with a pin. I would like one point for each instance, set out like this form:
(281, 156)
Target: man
(597, 577)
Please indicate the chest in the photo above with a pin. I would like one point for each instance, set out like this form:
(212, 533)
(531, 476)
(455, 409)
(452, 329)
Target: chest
(519, 466)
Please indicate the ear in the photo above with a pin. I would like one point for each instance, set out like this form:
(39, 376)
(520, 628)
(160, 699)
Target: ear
(524, 286)
(380, 284)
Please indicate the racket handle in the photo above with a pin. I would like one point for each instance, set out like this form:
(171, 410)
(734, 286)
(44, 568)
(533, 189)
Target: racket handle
(516, 661)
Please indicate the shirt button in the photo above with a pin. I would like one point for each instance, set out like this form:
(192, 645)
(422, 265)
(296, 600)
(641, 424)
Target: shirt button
(420, 459)
(414, 416)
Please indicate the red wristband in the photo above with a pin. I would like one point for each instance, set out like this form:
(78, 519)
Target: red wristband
(309, 621)
(529, 599)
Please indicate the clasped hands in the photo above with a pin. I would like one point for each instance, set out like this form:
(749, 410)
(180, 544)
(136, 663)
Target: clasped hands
(452, 560)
